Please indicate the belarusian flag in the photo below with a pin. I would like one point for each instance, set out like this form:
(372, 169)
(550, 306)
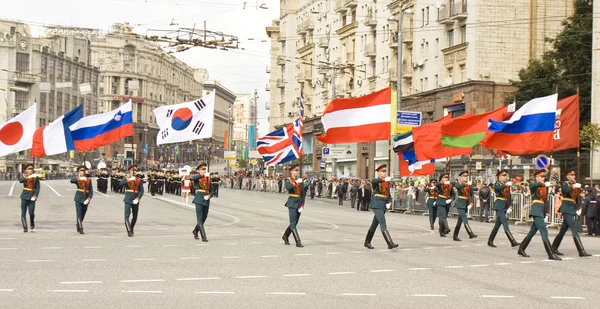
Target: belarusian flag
(466, 132)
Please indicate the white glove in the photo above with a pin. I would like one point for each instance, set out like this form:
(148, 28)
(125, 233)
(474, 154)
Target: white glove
(469, 207)
(206, 197)
(508, 211)
(388, 178)
(432, 187)
(469, 183)
(579, 212)
(449, 201)
(388, 205)
(546, 219)
(132, 178)
(33, 199)
(86, 202)
(299, 180)
(135, 202)
(446, 182)
(548, 184)
(32, 176)
(509, 183)
(82, 178)
(577, 185)
(207, 175)
(300, 209)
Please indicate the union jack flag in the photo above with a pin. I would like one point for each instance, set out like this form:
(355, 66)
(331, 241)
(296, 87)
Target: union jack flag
(282, 145)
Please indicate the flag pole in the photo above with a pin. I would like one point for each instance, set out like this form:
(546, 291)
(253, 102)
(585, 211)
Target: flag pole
(209, 154)
(301, 115)
(578, 155)
(470, 165)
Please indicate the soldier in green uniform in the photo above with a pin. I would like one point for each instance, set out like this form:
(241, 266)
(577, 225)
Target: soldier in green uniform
(296, 188)
(444, 200)
(133, 193)
(502, 207)
(83, 196)
(31, 190)
(539, 194)
(204, 192)
(463, 204)
(569, 209)
(379, 204)
(102, 180)
(431, 199)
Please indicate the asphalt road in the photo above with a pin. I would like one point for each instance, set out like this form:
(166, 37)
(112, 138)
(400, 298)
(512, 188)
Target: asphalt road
(246, 265)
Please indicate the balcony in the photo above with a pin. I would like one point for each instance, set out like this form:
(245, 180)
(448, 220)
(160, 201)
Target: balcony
(458, 11)
(322, 69)
(444, 16)
(340, 6)
(280, 60)
(407, 36)
(282, 36)
(340, 90)
(370, 20)
(268, 87)
(23, 77)
(301, 76)
(393, 41)
(351, 3)
(308, 25)
(300, 29)
(280, 83)
(324, 42)
(307, 47)
(370, 50)
(393, 73)
(268, 70)
(347, 28)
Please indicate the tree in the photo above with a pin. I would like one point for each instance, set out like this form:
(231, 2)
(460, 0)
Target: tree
(589, 138)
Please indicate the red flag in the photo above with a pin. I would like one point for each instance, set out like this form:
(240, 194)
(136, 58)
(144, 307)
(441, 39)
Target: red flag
(425, 170)
(468, 132)
(428, 141)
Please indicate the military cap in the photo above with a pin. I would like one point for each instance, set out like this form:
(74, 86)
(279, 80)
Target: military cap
(132, 167)
(444, 174)
(589, 189)
(502, 173)
(464, 172)
(201, 165)
(570, 171)
(27, 166)
(543, 172)
(81, 167)
(382, 166)
(293, 167)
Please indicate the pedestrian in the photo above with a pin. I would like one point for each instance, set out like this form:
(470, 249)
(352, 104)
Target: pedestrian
(502, 207)
(186, 184)
(340, 194)
(445, 191)
(569, 209)
(431, 202)
(31, 191)
(539, 191)
(134, 190)
(296, 188)
(463, 204)
(353, 194)
(83, 196)
(484, 202)
(204, 192)
(590, 211)
(381, 203)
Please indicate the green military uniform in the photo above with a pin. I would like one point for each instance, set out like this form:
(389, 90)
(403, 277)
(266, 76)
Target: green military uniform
(568, 209)
(102, 181)
(83, 196)
(379, 204)
(295, 204)
(134, 190)
(462, 204)
(31, 190)
(501, 206)
(445, 195)
(431, 205)
(203, 193)
(539, 194)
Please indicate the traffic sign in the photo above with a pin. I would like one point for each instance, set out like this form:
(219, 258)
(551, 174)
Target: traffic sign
(253, 161)
(337, 153)
(478, 165)
(405, 121)
(322, 165)
(542, 161)
(325, 152)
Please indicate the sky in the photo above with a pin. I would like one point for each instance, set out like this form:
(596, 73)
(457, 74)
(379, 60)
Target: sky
(241, 71)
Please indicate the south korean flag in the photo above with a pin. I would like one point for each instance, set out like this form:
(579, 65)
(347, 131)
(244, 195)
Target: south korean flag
(186, 121)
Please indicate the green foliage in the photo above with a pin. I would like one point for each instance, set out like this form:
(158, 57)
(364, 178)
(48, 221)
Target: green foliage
(590, 136)
(242, 163)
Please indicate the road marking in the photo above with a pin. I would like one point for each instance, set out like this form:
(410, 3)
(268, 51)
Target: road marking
(358, 251)
(428, 248)
(156, 292)
(382, 270)
(231, 257)
(429, 295)
(260, 202)
(451, 267)
(332, 253)
(214, 292)
(170, 245)
(81, 282)
(250, 277)
(134, 246)
(497, 296)
(448, 247)
(51, 188)
(198, 279)
(258, 242)
(479, 265)
(596, 255)
(190, 258)
(567, 297)
(297, 275)
(341, 273)
(69, 291)
(5, 238)
(285, 293)
(7, 290)
(39, 261)
(357, 294)
(527, 262)
(269, 256)
(142, 280)
(51, 248)
(9, 248)
(418, 268)
(303, 254)
(93, 247)
(502, 264)
(567, 258)
(12, 188)
(95, 260)
(231, 243)
(145, 259)
(106, 195)
(407, 249)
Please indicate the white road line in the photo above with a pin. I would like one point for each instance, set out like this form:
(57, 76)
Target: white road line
(134, 246)
(250, 277)
(260, 202)
(448, 247)
(479, 265)
(269, 256)
(51, 248)
(285, 293)
(451, 267)
(106, 195)
(567, 258)
(357, 294)
(497, 296)
(303, 254)
(51, 188)
(12, 188)
(142, 280)
(502, 264)
(358, 251)
(231, 243)
(93, 247)
(527, 262)
(297, 275)
(428, 248)
(206, 292)
(197, 279)
(39, 261)
(596, 255)
(6, 238)
(145, 259)
(7, 290)
(429, 295)
(150, 292)
(95, 260)
(382, 270)
(341, 273)
(258, 242)
(170, 245)
(69, 291)
(567, 297)
(332, 253)
(407, 249)
(81, 282)
(231, 257)
(9, 248)
(418, 268)
(190, 258)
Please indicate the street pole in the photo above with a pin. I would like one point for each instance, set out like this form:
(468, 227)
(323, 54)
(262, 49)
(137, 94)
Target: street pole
(146, 149)
(334, 160)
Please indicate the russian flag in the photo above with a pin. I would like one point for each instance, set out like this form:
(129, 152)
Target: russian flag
(530, 129)
(56, 137)
(100, 130)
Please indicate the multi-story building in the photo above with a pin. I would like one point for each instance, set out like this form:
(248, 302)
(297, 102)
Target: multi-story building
(48, 71)
(224, 106)
(457, 56)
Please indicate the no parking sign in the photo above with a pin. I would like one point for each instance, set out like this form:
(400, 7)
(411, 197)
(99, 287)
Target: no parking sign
(542, 162)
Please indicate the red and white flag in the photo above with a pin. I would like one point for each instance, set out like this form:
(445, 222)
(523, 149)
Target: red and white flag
(17, 134)
(355, 120)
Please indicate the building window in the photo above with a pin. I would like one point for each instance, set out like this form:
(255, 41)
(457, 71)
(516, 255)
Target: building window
(436, 80)
(463, 34)
(67, 73)
(115, 84)
(43, 99)
(51, 104)
(463, 73)
(427, 16)
(139, 112)
(44, 69)
(68, 102)
(51, 70)
(74, 101)
(22, 62)
(437, 46)
(449, 80)
(422, 17)
(450, 38)
(21, 99)
(75, 77)
(425, 84)
(426, 50)
(59, 100)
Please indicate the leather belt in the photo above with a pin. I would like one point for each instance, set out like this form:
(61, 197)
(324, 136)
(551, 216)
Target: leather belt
(27, 189)
(538, 201)
(131, 191)
(501, 198)
(294, 195)
(380, 195)
(442, 196)
(568, 199)
(203, 191)
(464, 197)
(81, 190)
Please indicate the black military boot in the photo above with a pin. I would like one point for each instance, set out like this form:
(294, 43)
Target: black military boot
(442, 229)
(297, 238)
(579, 246)
(286, 236)
(195, 232)
(456, 231)
(492, 237)
(513, 242)
(556, 244)
(128, 228)
(24, 222)
(368, 239)
(470, 231)
(523, 246)
(551, 253)
(80, 226)
(388, 240)
(203, 233)
(31, 219)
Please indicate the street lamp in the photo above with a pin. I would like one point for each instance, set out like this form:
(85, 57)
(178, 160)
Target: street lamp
(146, 148)
(409, 13)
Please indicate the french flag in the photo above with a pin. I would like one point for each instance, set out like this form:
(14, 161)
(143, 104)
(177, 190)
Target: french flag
(56, 137)
(100, 130)
(529, 131)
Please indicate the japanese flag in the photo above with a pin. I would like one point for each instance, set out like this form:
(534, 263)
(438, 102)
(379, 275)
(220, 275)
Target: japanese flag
(17, 134)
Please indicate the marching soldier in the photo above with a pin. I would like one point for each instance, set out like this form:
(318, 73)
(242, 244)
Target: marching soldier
(31, 190)
(133, 193)
(380, 203)
(502, 207)
(569, 209)
(539, 193)
(431, 199)
(83, 196)
(296, 188)
(204, 192)
(463, 204)
(161, 183)
(445, 195)
(215, 183)
(102, 181)
(153, 182)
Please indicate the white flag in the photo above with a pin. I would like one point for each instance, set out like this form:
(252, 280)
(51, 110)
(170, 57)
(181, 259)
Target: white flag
(17, 134)
(186, 121)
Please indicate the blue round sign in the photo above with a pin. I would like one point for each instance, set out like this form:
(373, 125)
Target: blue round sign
(542, 161)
